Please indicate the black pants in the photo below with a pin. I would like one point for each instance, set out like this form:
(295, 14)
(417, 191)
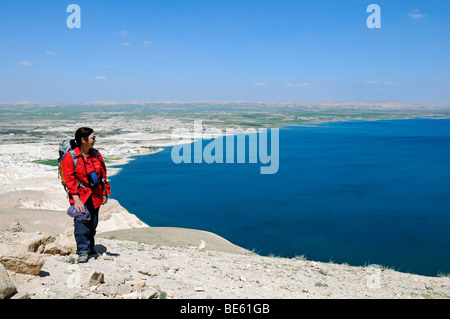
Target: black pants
(85, 232)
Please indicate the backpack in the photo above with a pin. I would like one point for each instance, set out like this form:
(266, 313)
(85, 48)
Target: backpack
(65, 148)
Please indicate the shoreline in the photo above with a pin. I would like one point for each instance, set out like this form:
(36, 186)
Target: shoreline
(315, 124)
(115, 166)
(31, 193)
(124, 161)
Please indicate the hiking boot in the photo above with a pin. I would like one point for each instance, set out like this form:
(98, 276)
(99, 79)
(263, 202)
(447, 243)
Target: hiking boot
(83, 258)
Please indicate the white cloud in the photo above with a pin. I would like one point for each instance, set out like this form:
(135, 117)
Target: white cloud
(50, 53)
(147, 43)
(125, 44)
(414, 14)
(101, 78)
(298, 84)
(24, 63)
(259, 84)
(122, 33)
(371, 82)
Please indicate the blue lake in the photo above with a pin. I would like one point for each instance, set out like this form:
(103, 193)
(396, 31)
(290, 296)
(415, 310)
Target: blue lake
(360, 192)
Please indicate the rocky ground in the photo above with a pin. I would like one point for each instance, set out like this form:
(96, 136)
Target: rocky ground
(134, 270)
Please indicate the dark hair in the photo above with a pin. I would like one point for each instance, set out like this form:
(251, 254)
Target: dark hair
(82, 132)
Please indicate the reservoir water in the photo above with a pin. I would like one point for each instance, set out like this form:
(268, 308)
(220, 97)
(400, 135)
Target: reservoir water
(359, 192)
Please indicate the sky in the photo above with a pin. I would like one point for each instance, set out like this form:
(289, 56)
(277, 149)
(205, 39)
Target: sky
(251, 50)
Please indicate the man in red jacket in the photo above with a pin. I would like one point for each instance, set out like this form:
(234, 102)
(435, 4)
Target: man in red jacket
(87, 187)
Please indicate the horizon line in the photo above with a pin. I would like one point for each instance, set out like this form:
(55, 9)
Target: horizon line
(215, 101)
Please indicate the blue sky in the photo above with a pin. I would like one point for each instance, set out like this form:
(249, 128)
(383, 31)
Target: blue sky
(273, 50)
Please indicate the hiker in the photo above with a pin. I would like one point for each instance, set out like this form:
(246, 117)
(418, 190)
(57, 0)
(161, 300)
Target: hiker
(87, 188)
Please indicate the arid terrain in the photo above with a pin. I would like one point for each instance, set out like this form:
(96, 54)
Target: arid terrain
(138, 261)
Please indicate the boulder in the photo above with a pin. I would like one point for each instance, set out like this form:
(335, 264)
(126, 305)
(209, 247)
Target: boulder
(94, 278)
(202, 246)
(123, 289)
(137, 284)
(151, 272)
(132, 295)
(38, 242)
(7, 286)
(20, 261)
(67, 241)
(15, 226)
(55, 249)
(150, 293)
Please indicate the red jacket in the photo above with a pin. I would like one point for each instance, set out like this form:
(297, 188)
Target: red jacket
(92, 164)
